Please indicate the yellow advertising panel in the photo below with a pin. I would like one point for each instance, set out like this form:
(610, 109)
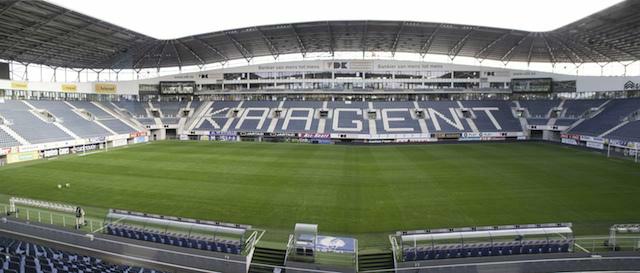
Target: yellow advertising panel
(106, 88)
(24, 156)
(19, 85)
(68, 87)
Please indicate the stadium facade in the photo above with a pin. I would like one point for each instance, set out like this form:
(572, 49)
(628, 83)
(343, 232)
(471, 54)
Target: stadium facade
(328, 101)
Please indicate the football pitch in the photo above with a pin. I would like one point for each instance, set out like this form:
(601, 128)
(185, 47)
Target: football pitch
(346, 190)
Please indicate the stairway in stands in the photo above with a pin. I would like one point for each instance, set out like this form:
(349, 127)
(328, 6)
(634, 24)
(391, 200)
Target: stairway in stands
(268, 256)
(375, 261)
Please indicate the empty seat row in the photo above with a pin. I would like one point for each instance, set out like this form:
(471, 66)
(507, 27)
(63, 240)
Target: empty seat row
(483, 250)
(174, 239)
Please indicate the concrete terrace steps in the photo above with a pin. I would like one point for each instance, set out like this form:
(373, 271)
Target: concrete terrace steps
(267, 256)
(375, 261)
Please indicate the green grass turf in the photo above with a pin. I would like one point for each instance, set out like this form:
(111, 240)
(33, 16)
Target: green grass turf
(353, 190)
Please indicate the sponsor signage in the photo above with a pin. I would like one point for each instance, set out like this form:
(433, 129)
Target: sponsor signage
(63, 151)
(447, 135)
(219, 133)
(490, 134)
(137, 134)
(19, 85)
(569, 141)
(595, 145)
(335, 244)
(119, 142)
(105, 88)
(576, 137)
(280, 134)
(592, 139)
(97, 140)
(51, 153)
(69, 87)
(314, 135)
(4, 151)
(471, 135)
(116, 137)
(140, 139)
(24, 156)
(251, 133)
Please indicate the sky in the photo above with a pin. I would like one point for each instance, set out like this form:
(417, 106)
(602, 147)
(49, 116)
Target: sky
(164, 19)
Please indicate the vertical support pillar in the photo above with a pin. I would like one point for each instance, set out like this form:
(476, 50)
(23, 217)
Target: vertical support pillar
(26, 72)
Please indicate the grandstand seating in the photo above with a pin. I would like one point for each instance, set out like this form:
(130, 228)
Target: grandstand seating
(93, 109)
(539, 108)
(197, 242)
(577, 108)
(537, 121)
(170, 120)
(6, 140)
(170, 109)
(103, 117)
(628, 132)
(565, 122)
(136, 109)
(485, 249)
(28, 125)
(73, 121)
(399, 117)
(612, 115)
(503, 116)
(397, 110)
(147, 121)
(23, 257)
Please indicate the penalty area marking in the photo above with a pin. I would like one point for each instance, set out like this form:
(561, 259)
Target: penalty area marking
(114, 222)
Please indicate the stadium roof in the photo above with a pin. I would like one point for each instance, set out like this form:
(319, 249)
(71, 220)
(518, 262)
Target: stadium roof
(39, 32)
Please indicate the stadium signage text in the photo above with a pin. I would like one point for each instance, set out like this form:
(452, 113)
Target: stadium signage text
(351, 120)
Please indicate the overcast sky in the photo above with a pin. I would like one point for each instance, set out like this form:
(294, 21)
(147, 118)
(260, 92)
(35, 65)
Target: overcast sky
(166, 19)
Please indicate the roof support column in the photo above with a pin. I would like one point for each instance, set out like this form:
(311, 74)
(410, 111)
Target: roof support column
(602, 68)
(55, 76)
(11, 76)
(97, 72)
(25, 76)
(578, 68)
(78, 73)
(117, 74)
